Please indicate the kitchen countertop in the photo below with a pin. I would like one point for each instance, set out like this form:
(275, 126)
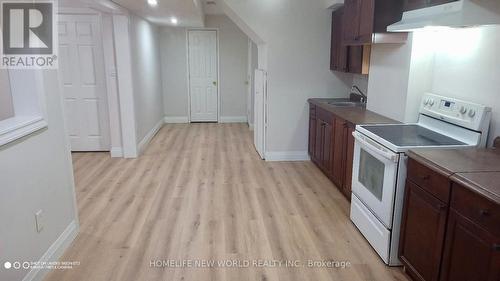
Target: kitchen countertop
(476, 169)
(355, 115)
(452, 161)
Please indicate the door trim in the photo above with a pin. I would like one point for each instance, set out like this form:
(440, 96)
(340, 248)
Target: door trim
(189, 74)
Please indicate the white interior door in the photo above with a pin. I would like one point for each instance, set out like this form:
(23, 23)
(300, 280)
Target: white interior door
(83, 81)
(260, 111)
(203, 75)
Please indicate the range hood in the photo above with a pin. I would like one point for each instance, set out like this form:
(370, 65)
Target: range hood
(463, 13)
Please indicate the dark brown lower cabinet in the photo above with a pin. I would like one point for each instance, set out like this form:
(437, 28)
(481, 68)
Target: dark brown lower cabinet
(472, 253)
(339, 145)
(321, 138)
(312, 129)
(331, 147)
(327, 136)
(457, 240)
(422, 233)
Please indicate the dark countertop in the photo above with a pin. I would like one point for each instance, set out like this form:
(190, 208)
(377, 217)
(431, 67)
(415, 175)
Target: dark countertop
(355, 115)
(476, 169)
(451, 161)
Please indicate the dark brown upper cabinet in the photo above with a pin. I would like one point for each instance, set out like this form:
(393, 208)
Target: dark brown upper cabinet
(419, 4)
(366, 18)
(339, 51)
(415, 4)
(343, 58)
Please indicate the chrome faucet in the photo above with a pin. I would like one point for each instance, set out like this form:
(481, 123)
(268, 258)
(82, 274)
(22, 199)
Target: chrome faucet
(354, 88)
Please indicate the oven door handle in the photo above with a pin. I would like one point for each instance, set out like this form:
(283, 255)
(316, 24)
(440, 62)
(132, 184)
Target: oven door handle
(375, 147)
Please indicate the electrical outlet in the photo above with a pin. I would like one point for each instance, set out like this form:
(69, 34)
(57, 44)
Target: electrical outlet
(39, 221)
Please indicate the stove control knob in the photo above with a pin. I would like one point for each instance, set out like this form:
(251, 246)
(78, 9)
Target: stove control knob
(472, 113)
(463, 110)
(426, 101)
(431, 102)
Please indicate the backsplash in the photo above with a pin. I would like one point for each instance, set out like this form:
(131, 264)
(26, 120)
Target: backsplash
(362, 82)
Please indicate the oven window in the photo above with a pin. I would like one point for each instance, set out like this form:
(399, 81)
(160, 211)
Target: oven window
(371, 174)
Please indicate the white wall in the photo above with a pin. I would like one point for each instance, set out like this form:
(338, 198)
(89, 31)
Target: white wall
(388, 82)
(233, 69)
(253, 65)
(6, 109)
(144, 40)
(174, 72)
(361, 81)
(297, 36)
(112, 85)
(233, 63)
(36, 173)
(461, 64)
(467, 66)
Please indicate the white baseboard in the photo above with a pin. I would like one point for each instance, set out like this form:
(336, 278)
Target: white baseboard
(149, 136)
(233, 119)
(54, 252)
(116, 152)
(287, 156)
(176, 119)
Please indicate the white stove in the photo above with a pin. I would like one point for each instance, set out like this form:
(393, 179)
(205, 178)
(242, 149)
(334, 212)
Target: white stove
(379, 171)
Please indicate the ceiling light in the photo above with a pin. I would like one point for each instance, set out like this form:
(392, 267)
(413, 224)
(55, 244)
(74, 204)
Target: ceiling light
(153, 3)
(174, 20)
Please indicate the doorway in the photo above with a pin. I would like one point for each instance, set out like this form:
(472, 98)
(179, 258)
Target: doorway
(83, 82)
(203, 67)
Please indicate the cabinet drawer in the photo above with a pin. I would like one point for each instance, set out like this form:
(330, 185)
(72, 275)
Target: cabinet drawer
(429, 180)
(477, 208)
(324, 115)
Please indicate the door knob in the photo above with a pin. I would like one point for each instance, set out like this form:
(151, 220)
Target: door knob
(215, 83)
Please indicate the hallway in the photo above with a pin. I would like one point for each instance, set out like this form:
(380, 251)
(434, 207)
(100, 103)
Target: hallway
(200, 192)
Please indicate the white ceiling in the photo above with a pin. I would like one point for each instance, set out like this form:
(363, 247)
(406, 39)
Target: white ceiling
(188, 12)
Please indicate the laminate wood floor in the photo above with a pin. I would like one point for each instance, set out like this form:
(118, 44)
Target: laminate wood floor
(200, 193)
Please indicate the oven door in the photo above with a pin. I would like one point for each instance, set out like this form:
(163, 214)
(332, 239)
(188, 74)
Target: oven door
(374, 177)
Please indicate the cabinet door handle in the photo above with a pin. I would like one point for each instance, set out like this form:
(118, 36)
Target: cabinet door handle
(484, 213)
(496, 247)
(442, 206)
(425, 178)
